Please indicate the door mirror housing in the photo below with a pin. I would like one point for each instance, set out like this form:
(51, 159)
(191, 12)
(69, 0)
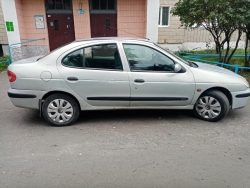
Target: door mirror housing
(177, 68)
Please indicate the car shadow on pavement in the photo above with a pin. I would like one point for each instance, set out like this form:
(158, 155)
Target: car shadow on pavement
(127, 115)
(32, 117)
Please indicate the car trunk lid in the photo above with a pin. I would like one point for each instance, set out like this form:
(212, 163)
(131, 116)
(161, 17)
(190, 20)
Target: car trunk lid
(28, 60)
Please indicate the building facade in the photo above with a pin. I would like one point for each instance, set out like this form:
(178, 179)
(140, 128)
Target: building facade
(3, 33)
(58, 22)
(61, 21)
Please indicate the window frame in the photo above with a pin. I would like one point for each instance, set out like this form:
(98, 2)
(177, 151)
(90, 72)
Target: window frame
(58, 11)
(86, 68)
(160, 16)
(102, 11)
(146, 71)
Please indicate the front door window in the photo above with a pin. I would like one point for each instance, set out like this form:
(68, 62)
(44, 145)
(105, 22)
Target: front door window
(143, 58)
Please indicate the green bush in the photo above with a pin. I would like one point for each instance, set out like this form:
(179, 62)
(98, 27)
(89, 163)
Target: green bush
(3, 66)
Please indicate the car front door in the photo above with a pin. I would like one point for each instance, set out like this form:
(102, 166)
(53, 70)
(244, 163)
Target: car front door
(95, 73)
(153, 81)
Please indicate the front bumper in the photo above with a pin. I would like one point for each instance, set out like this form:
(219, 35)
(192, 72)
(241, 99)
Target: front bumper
(240, 99)
(25, 98)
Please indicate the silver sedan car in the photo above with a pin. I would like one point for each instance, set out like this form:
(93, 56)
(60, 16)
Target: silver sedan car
(122, 73)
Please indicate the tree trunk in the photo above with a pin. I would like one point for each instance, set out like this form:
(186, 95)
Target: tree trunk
(227, 51)
(246, 55)
(236, 46)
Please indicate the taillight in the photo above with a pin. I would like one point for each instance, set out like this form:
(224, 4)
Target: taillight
(12, 76)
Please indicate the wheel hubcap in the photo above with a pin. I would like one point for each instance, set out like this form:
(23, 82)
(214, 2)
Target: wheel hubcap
(60, 110)
(208, 107)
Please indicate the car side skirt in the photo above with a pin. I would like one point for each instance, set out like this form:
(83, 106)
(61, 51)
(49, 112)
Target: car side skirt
(138, 98)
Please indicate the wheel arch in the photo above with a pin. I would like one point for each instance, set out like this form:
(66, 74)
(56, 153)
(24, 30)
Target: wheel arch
(223, 90)
(61, 92)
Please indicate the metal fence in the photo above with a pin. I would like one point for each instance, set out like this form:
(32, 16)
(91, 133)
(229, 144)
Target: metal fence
(23, 50)
(199, 58)
(7, 61)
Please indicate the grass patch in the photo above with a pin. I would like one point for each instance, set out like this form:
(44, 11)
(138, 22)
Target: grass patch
(3, 66)
(234, 60)
(245, 74)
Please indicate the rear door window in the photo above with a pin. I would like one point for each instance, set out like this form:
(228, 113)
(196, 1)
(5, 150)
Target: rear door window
(104, 56)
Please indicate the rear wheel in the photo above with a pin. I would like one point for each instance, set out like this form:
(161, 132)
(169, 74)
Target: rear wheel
(212, 106)
(60, 110)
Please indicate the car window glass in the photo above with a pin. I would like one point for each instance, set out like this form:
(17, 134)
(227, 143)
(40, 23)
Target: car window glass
(143, 58)
(74, 59)
(105, 56)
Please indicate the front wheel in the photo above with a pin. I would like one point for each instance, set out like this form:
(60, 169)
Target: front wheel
(212, 106)
(60, 110)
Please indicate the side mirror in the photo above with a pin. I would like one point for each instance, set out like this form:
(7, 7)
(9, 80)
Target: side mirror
(177, 67)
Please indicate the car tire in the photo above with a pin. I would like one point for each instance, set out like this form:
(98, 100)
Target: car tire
(212, 106)
(60, 109)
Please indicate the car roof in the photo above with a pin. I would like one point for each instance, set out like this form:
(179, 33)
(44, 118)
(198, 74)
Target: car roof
(112, 38)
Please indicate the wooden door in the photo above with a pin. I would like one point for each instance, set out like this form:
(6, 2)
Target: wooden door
(103, 25)
(61, 29)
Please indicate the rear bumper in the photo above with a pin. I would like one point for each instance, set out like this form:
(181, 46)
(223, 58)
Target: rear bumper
(25, 98)
(240, 99)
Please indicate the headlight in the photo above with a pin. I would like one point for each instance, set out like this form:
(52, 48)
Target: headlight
(246, 83)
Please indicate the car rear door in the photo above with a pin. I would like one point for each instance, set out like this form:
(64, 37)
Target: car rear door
(153, 81)
(95, 73)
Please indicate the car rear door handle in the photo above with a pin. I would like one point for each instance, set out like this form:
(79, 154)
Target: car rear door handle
(72, 79)
(139, 81)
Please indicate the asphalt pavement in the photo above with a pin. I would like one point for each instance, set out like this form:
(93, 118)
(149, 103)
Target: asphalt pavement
(144, 148)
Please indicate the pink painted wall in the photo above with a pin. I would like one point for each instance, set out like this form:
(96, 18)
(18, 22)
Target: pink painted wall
(131, 18)
(26, 10)
(81, 21)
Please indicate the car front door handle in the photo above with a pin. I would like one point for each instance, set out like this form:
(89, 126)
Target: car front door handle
(72, 79)
(139, 81)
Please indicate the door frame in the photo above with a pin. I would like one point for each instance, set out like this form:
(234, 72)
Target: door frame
(92, 11)
(149, 101)
(58, 12)
(99, 74)
(104, 12)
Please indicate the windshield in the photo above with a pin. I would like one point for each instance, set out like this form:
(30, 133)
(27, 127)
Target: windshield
(172, 53)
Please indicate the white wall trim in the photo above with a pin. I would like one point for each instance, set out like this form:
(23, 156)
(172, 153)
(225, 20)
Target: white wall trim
(152, 20)
(10, 15)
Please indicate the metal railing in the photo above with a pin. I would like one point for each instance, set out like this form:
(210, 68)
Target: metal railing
(21, 43)
(6, 61)
(198, 58)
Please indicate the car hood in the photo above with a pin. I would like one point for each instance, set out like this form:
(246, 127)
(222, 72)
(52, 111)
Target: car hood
(28, 60)
(215, 68)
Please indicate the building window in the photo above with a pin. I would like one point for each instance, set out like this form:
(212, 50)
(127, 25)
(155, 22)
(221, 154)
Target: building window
(164, 16)
(58, 4)
(103, 4)
(9, 26)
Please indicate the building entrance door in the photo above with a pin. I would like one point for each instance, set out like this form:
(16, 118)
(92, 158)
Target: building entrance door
(103, 25)
(61, 29)
(103, 18)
